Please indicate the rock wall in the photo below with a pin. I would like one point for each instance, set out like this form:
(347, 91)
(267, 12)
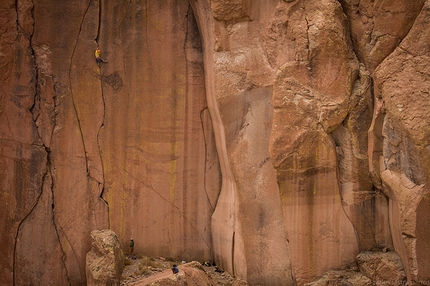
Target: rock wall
(277, 138)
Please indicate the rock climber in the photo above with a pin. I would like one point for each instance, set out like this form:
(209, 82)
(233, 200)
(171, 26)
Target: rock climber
(175, 269)
(98, 58)
(131, 254)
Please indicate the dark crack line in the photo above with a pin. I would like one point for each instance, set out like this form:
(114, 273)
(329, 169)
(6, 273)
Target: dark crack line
(63, 253)
(20, 224)
(172, 204)
(57, 228)
(101, 127)
(81, 133)
(71, 90)
(18, 230)
(48, 158)
(344, 9)
(206, 158)
(100, 151)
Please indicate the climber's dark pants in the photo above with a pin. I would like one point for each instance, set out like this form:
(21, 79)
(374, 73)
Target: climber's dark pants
(98, 60)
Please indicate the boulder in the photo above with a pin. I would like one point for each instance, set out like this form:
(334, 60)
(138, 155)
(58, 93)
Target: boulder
(105, 261)
(382, 267)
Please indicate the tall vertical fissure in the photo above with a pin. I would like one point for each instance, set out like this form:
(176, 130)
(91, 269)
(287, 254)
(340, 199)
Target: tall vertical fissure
(20, 31)
(71, 89)
(53, 219)
(101, 184)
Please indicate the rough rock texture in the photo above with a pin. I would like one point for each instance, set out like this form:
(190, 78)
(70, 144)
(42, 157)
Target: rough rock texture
(382, 267)
(277, 138)
(162, 181)
(105, 261)
(189, 274)
(342, 278)
(403, 151)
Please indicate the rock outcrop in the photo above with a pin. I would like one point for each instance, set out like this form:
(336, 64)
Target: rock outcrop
(382, 267)
(105, 261)
(342, 277)
(191, 273)
(279, 139)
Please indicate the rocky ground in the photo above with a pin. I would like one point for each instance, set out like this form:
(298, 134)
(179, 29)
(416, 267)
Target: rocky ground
(139, 271)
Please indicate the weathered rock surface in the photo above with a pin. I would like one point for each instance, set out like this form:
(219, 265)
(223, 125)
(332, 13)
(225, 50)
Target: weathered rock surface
(191, 273)
(382, 267)
(105, 261)
(278, 138)
(342, 278)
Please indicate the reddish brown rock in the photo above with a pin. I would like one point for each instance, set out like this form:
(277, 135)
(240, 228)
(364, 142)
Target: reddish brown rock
(191, 273)
(378, 27)
(240, 109)
(277, 138)
(317, 227)
(342, 277)
(105, 261)
(23, 158)
(233, 11)
(401, 88)
(382, 268)
(162, 181)
(308, 101)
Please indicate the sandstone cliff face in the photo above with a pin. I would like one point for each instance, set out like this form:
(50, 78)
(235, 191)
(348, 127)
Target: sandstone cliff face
(278, 138)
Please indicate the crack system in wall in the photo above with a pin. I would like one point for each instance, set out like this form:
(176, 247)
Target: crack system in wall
(71, 89)
(101, 184)
(35, 111)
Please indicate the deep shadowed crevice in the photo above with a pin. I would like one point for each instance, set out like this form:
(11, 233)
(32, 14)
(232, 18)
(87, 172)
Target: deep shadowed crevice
(101, 184)
(349, 28)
